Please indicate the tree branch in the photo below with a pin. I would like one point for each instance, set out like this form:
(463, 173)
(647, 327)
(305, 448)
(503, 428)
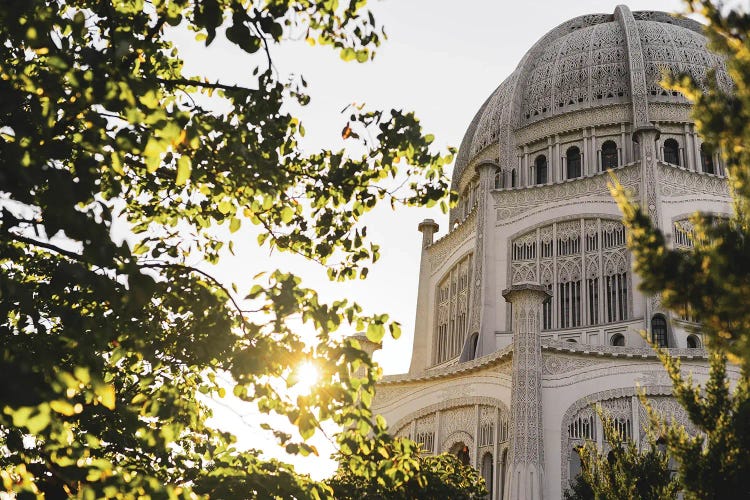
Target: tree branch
(216, 282)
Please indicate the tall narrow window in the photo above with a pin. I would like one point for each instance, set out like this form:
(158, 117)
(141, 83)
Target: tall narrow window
(616, 292)
(659, 330)
(671, 152)
(622, 292)
(488, 473)
(541, 169)
(570, 304)
(707, 160)
(547, 310)
(452, 311)
(503, 473)
(609, 155)
(573, 160)
(593, 291)
(499, 179)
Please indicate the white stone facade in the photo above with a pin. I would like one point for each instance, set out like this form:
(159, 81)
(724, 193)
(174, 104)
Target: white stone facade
(528, 310)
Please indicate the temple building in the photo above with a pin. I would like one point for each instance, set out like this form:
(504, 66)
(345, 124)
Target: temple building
(528, 309)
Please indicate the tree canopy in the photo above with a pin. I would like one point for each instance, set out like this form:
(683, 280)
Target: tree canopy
(441, 476)
(105, 344)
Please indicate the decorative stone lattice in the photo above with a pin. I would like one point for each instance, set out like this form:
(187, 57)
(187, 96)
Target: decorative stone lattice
(517, 204)
(440, 251)
(671, 48)
(453, 303)
(602, 275)
(683, 233)
(670, 410)
(677, 182)
(555, 364)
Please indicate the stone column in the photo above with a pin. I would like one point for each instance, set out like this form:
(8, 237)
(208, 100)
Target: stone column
(585, 156)
(557, 168)
(526, 468)
(483, 294)
(551, 163)
(422, 352)
(698, 165)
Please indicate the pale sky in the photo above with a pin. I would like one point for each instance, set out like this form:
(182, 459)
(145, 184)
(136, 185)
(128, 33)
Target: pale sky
(442, 60)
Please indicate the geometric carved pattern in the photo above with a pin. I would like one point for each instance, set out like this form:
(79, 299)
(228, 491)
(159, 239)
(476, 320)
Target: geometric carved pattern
(674, 182)
(443, 248)
(582, 69)
(598, 292)
(518, 203)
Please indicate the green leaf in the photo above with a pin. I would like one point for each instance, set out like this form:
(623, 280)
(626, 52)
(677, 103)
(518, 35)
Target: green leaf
(375, 332)
(287, 213)
(184, 168)
(105, 395)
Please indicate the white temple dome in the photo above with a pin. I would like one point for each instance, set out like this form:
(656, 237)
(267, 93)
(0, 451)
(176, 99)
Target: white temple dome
(590, 61)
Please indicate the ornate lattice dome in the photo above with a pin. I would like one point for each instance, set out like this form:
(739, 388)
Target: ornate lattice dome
(591, 61)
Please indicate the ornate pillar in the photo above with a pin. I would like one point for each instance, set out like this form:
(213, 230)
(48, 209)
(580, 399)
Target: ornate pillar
(698, 164)
(557, 162)
(483, 295)
(526, 470)
(551, 163)
(422, 353)
(586, 157)
(645, 133)
(646, 138)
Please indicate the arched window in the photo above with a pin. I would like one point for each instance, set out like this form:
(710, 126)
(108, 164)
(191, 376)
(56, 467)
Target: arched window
(473, 345)
(573, 160)
(693, 342)
(541, 169)
(488, 472)
(671, 152)
(462, 452)
(576, 466)
(513, 179)
(499, 179)
(451, 320)
(659, 330)
(503, 472)
(609, 155)
(707, 160)
(617, 340)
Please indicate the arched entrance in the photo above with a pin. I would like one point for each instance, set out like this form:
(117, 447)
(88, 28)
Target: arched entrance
(462, 452)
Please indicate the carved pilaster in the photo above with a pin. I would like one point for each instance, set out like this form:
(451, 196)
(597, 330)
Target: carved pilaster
(526, 468)
(646, 138)
(482, 300)
(638, 88)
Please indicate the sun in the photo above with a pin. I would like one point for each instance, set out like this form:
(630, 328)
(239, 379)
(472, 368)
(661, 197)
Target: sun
(307, 376)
